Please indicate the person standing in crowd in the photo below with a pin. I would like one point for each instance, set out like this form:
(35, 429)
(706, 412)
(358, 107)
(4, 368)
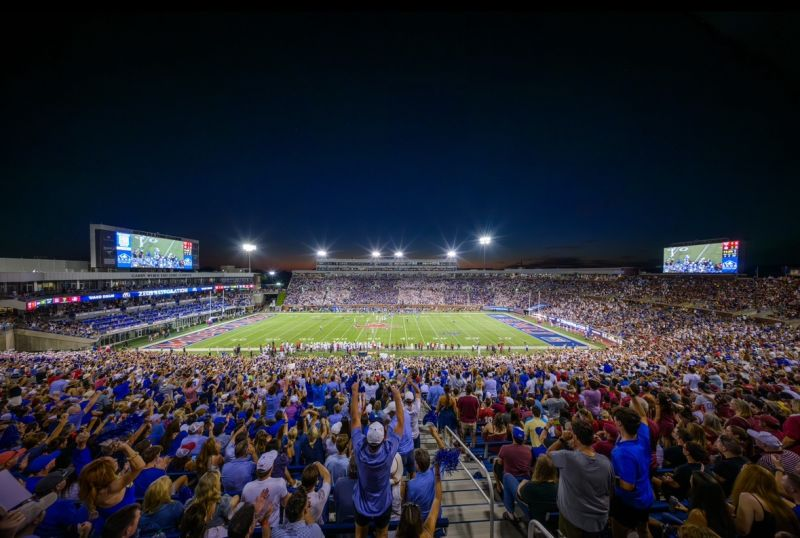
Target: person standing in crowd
(468, 406)
(585, 482)
(633, 495)
(374, 454)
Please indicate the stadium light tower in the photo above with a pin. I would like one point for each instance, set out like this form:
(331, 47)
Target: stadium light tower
(376, 253)
(398, 254)
(484, 241)
(321, 253)
(451, 254)
(249, 248)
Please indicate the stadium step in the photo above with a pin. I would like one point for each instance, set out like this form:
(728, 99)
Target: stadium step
(462, 503)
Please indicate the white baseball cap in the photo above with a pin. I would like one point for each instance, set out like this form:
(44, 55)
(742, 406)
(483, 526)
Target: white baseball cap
(375, 433)
(336, 428)
(391, 407)
(267, 460)
(293, 399)
(409, 397)
(195, 427)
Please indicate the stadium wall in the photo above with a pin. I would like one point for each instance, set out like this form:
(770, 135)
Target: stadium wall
(27, 340)
(6, 339)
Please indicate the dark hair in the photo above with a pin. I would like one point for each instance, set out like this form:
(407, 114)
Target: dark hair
(241, 448)
(422, 459)
(310, 477)
(151, 453)
(119, 521)
(730, 444)
(629, 419)
(242, 520)
(706, 494)
(352, 468)
(296, 505)
(697, 452)
(410, 525)
(583, 431)
(341, 443)
(193, 522)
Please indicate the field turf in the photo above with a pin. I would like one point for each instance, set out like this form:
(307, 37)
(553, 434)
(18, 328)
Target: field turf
(464, 329)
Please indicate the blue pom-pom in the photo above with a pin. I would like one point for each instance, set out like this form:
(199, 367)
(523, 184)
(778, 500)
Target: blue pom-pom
(447, 459)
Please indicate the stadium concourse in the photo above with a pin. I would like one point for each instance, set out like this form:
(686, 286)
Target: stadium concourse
(687, 418)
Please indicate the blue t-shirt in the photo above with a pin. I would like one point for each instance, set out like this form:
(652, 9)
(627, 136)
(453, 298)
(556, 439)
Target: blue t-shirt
(373, 493)
(421, 490)
(631, 460)
(273, 402)
(60, 516)
(318, 395)
(145, 478)
(406, 441)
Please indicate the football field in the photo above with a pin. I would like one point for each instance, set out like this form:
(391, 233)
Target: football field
(459, 329)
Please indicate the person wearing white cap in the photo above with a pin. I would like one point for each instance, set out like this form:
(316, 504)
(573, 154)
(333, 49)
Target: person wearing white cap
(374, 453)
(413, 405)
(276, 487)
(195, 436)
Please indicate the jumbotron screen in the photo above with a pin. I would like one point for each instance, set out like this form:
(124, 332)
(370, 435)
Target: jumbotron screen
(709, 258)
(137, 251)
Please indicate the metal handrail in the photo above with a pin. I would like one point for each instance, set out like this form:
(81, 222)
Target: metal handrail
(488, 474)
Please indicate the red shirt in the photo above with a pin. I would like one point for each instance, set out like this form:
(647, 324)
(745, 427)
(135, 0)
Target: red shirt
(468, 409)
(516, 460)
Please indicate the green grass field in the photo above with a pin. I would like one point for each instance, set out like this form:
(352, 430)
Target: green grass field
(464, 329)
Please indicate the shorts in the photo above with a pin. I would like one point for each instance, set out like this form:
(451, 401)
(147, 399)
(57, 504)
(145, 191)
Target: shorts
(381, 521)
(409, 464)
(628, 516)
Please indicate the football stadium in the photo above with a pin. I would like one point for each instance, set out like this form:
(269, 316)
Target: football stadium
(461, 275)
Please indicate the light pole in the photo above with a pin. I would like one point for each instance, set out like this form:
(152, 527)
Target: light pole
(249, 248)
(484, 240)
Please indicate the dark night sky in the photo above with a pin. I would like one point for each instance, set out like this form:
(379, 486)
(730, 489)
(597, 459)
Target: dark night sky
(574, 139)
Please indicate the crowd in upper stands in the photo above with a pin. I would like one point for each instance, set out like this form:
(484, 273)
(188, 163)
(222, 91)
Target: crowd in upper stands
(779, 297)
(79, 320)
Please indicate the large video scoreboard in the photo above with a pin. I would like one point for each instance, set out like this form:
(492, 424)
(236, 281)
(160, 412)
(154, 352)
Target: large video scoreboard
(709, 258)
(125, 249)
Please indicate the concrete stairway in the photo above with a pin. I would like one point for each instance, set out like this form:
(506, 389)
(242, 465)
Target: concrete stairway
(463, 504)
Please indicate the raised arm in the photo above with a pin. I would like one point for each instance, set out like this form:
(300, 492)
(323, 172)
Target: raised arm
(637, 406)
(435, 433)
(400, 410)
(355, 408)
(433, 515)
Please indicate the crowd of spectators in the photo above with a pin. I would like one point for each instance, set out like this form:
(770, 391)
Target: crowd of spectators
(692, 422)
(779, 297)
(82, 321)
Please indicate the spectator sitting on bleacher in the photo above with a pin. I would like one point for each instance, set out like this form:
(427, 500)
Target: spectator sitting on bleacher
(240, 471)
(159, 512)
(123, 523)
(512, 465)
(538, 496)
(299, 520)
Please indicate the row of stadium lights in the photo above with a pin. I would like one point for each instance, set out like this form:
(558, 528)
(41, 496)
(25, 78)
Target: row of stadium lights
(483, 240)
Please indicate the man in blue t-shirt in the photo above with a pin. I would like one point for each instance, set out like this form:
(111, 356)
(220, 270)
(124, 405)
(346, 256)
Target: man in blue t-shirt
(633, 494)
(374, 453)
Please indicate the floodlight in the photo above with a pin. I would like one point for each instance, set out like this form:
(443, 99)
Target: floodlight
(247, 247)
(272, 273)
(376, 253)
(322, 253)
(451, 254)
(484, 240)
(398, 254)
